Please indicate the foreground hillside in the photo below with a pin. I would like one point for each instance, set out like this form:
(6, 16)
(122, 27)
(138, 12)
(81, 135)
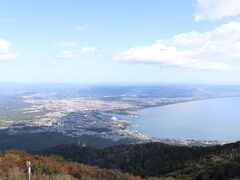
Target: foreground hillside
(12, 167)
(157, 159)
(150, 161)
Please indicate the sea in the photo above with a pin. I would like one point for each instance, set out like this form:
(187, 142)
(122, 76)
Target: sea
(211, 119)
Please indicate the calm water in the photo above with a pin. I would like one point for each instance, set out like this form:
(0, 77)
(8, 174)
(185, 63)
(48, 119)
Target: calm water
(214, 119)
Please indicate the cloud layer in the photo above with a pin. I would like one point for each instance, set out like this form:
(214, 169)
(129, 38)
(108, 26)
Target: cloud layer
(5, 53)
(206, 51)
(76, 53)
(216, 9)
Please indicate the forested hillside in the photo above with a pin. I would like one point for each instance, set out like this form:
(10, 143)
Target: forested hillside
(150, 161)
(12, 167)
(157, 159)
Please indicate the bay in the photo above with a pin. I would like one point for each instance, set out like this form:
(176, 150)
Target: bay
(212, 119)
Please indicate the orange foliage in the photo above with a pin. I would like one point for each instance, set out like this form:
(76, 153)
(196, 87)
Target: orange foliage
(51, 166)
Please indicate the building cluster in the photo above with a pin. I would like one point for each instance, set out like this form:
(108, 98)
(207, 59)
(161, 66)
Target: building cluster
(83, 116)
(81, 123)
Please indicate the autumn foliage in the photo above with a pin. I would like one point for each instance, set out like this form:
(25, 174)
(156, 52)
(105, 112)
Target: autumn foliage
(12, 167)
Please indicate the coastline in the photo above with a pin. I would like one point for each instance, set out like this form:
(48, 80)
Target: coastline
(181, 141)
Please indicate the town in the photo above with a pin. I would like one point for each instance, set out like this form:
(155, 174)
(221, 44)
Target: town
(80, 116)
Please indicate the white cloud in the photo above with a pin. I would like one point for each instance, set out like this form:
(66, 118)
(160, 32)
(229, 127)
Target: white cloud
(8, 56)
(207, 51)
(216, 9)
(66, 43)
(76, 53)
(4, 46)
(80, 28)
(5, 53)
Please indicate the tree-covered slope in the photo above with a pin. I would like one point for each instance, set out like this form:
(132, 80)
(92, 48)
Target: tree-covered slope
(12, 167)
(27, 141)
(158, 159)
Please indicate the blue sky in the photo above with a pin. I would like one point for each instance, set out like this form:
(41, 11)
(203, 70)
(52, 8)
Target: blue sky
(137, 41)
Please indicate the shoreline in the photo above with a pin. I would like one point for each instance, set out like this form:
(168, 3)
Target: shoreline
(167, 104)
(165, 139)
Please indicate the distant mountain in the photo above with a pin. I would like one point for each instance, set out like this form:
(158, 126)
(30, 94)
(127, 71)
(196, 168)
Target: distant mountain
(158, 159)
(156, 91)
